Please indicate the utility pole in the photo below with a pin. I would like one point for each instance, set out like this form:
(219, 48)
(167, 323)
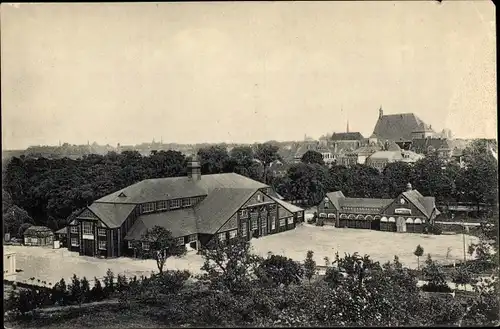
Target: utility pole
(463, 238)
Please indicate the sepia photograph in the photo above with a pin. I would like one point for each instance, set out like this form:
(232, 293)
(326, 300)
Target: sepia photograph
(250, 164)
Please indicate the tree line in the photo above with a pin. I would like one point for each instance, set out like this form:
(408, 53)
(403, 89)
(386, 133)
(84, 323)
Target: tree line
(474, 182)
(49, 191)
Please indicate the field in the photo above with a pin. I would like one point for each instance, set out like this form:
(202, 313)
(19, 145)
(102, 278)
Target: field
(51, 265)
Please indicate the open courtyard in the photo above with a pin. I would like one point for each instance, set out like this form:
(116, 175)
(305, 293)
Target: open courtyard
(50, 265)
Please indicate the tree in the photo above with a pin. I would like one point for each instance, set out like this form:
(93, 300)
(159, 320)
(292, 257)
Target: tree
(281, 270)
(435, 276)
(309, 266)
(311, 157)
(213, 159)
(267, 154)
(419, 251)
(161, 246)
(241, 161)
(481, 166)
(97, 292)
(76, 290)
(430, 178)
(395, 177)
(461, 276)
(85, 286)
(230, 267)
(307, 182)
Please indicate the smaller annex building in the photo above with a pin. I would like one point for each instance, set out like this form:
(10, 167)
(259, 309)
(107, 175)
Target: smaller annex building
(409, 212)
(38, 236)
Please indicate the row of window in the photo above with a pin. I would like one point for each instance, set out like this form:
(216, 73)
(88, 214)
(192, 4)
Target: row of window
(87, 229)
(357, 209)
(255, 225)
(232, 235)
(167, 204)
(102, 244)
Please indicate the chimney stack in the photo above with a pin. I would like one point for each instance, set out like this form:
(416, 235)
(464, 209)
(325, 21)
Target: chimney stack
(408, 187)
(194, 169)
(380, 112)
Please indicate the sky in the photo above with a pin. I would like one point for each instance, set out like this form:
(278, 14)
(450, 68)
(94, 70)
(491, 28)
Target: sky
(242, 72)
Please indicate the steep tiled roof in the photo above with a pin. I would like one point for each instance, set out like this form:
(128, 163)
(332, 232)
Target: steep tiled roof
(112, 214)
(335, 198)
(63, 230)
(418, 200)
(219, 206)
(179, 222)
(367, 149)
(154, 190)
(39, 231)
(352, 136)
(365, 202)
(386, 155)
(288, 206)
(430, 205)
(399, 126)
(422, 145)
(150, 190)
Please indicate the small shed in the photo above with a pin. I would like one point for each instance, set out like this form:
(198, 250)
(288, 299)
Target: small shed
(62, 235)
(38, 236)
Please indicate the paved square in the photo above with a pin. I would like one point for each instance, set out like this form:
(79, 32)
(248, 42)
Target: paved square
(51, 265)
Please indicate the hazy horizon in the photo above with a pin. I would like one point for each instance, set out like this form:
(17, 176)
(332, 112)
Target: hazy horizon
(242, 72)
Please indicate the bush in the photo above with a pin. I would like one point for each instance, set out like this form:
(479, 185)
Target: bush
(435, 229)
(431, 287)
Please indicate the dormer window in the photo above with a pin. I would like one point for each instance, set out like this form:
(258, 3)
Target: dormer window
(122, 195)
(258, 197)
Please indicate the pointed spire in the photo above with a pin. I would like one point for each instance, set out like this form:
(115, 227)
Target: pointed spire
(347, 126)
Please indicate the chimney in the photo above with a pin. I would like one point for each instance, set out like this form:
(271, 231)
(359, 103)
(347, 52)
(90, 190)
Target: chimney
(380, 112)
(408, 187)
(194, 169)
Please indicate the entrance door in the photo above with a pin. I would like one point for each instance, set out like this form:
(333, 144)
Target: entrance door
(88, 248)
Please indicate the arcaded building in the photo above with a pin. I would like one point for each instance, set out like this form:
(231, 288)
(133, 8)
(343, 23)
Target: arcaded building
(409, 212)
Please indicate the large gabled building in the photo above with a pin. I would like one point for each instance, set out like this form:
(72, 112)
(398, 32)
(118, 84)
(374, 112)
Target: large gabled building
(195, 208)
(400, 127)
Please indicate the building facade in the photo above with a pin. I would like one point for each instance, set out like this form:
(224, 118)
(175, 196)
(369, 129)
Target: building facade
(409, 212)
(195, 209)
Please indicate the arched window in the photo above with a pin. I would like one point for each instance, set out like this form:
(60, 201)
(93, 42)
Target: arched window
(392, 220)
(384, 219)
(418, 221)
(409, 221)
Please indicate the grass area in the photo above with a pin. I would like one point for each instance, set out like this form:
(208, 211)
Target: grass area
(107, 316)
